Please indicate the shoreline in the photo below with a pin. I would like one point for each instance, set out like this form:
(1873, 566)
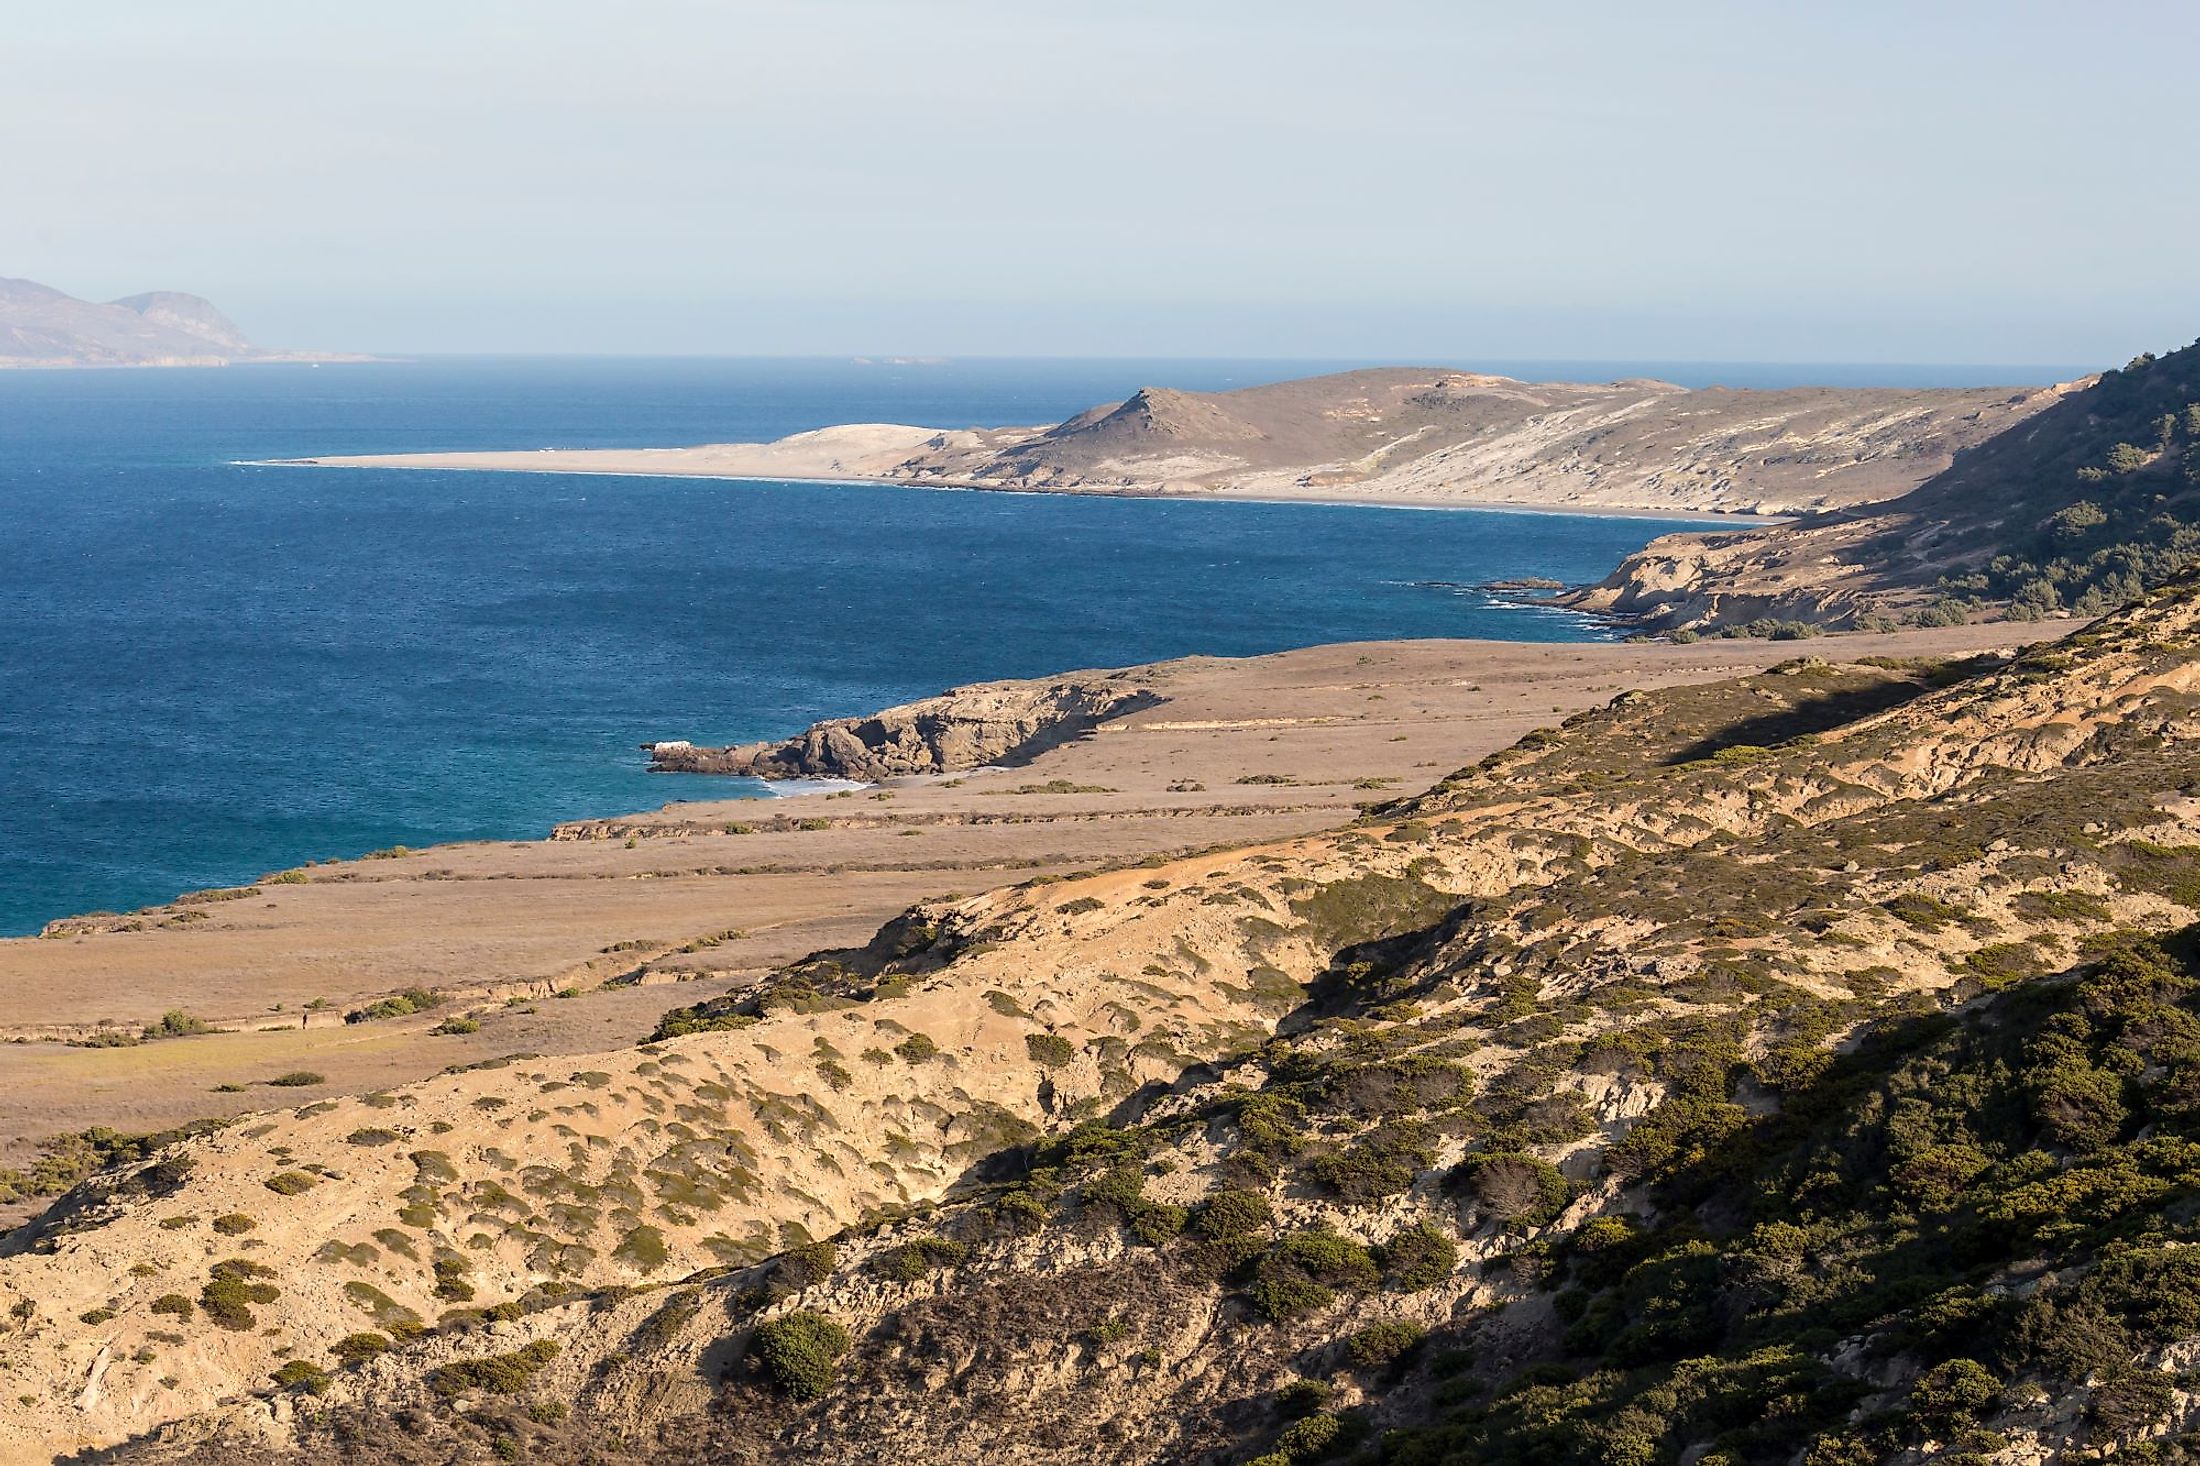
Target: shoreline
(1694, 517)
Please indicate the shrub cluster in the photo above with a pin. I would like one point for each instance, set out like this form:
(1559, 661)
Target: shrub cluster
(799, 1352)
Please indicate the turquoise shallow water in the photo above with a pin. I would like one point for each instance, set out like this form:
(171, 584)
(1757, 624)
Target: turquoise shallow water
(210, 671)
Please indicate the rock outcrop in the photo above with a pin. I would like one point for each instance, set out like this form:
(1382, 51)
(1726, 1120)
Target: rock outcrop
(961, 729)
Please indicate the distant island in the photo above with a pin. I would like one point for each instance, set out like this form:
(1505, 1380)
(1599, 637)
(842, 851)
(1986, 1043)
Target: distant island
(44, 327)
(1399, 435)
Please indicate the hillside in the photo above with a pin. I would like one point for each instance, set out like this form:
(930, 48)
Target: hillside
(42, 327)
(1797, 1066)
(1394, 436)
(2076, 509)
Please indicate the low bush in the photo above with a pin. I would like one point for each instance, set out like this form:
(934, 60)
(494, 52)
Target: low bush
(498, 1374)
(914, 1259)
(303, 1374)
(803, 1267)
(357, 1348)
(231, 1290)
(1416, 1257)
(799, 1352)
(398, 1005)
(1232, 1213)
(1383, 1343)
(1049, 1049)
(1304, 1270)
(1513, 1188)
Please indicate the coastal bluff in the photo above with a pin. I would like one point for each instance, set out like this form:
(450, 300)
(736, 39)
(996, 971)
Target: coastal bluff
(961, 729)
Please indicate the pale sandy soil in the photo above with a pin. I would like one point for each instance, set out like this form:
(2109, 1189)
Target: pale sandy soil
(876, 453)
(504, 925)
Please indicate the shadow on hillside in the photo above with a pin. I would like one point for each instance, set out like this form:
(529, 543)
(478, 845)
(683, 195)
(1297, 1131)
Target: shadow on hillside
(1824, 712)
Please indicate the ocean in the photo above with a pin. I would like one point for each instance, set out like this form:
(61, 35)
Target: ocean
(209, 671)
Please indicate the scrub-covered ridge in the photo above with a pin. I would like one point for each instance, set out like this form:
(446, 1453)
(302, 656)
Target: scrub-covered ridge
(1789, 1068)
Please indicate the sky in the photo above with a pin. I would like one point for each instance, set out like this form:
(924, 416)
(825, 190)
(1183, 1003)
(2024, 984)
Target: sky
(1930, 181)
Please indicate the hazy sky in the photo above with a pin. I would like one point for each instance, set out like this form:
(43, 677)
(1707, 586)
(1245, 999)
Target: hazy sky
(1970, 181)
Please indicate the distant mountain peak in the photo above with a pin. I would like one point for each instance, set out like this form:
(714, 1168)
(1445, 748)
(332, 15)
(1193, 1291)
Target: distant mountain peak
(42, 326)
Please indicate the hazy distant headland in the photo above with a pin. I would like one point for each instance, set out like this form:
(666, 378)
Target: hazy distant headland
(44, 327)
(1402, 435)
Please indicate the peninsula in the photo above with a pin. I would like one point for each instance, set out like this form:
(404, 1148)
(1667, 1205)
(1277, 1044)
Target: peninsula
(1409, 436)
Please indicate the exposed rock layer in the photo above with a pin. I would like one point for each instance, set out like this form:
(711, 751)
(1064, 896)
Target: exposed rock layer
(961, 729)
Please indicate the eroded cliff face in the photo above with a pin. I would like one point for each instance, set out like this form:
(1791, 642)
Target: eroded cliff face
(962, 729)
(1105, 1163)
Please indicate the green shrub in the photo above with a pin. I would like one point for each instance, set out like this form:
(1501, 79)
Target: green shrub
(1121, 1191)
(175, 1023)
(303, 1374)
(1954, 1388)
(1315, 1438)
(1416, 1257)
(1302, 1397)
(373, 1136)
(1232, 1213)
(453, 1026)
(914, 1259)
(174, 1303)
(644, 1247)
(2130, 1400)
(499, 1374)
(234, 1224)
(1304, 1270)
(399, 1005)
(804, 1267)
(799, 1352)
(356, 1348)
(1514, 1188)
(290, 1183)
(916, 1048)
(231, 1290)
(1049, 1049)
(450, 1279)
(1381, 1343)
(1378, 1163)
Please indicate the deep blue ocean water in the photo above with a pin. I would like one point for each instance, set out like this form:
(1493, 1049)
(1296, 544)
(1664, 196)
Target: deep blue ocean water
(209, 671)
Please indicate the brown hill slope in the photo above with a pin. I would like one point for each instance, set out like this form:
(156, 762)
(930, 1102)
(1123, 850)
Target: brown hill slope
(1111, 1161)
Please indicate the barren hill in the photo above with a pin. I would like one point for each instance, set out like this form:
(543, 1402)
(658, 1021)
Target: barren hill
(1396, 435)
(1792, 1066)
(43, 327)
